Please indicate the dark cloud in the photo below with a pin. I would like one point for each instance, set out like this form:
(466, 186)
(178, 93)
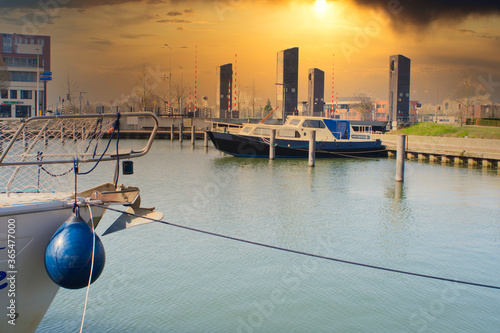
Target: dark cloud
(174, 13)
(136, 36)
(189, 11)
(173, 21)
(50, 5)
(478, 34)
(100, 41)
(399, 12)
(424, 12)
(30, 19)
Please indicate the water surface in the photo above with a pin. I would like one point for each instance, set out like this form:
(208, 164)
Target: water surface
(442, 221)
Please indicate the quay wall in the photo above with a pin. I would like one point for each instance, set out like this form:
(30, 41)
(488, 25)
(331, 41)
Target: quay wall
(447, 150)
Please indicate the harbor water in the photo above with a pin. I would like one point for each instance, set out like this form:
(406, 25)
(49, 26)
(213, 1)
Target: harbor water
(442, 221)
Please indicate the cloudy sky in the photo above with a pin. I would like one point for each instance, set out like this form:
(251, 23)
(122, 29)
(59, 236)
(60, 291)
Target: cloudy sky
(103, 46)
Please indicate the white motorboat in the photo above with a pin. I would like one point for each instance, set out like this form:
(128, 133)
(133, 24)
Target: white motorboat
(47, 237)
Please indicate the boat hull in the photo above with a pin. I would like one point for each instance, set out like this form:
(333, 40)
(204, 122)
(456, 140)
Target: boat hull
(251, 146)
(26, 286)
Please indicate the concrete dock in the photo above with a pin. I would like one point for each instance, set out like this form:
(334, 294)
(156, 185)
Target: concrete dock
(460, 151)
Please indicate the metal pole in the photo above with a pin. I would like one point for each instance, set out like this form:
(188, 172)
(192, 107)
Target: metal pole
(400, 158)
(193, 134)
(37, 99)
(312, 149)
(272, 145)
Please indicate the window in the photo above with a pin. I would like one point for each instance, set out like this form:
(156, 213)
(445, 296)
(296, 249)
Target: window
(23, 76)
(314, 123)
(26, 94)
(288, 133)
(13, 94)
(20, 62)
(7, 43)
(5, 111)
(262, 131)
(23, 111)
(4, 93)
(294, 122)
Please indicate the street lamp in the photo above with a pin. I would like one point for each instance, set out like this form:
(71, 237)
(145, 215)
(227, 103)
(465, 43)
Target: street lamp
(182, 87)
(37, 97)
(81, 92)
(170, 73)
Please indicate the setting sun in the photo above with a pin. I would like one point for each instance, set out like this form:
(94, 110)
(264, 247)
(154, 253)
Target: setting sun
(320, 6)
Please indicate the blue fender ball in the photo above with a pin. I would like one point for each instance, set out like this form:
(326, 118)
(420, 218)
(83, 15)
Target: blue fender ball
(68, 256)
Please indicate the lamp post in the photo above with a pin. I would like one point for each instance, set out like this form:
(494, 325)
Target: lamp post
(37, 97)
(81, 92)
(181, 91)
(170, 74)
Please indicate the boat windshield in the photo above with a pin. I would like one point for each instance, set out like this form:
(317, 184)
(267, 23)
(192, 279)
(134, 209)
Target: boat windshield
(294, 122)
(314, 123)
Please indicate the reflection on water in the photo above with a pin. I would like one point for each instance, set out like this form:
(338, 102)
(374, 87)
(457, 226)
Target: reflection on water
(441, 221)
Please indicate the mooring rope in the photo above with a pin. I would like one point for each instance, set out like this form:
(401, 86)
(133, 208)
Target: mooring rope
(91, 268)
(302, 252)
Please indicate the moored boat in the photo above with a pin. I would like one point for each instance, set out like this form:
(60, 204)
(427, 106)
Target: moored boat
(47, 224)
(334, 138)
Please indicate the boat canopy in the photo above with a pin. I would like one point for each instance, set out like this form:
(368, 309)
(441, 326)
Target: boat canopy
(339, 128)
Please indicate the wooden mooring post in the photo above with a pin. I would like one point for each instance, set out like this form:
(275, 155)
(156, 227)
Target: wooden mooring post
(205, 139)
(400, 158)
(312, 149)
(172, 128)
(180, 133)
(272, 145)
(193, 135)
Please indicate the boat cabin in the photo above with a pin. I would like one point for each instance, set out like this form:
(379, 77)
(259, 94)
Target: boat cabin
(298, 127)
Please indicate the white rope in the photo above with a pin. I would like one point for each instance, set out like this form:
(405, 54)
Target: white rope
(91, 268)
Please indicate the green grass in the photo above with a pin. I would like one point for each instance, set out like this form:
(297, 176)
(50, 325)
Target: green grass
(454, 131)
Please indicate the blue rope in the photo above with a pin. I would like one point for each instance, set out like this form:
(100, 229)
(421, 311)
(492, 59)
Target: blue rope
(304, 253)
(102, 155)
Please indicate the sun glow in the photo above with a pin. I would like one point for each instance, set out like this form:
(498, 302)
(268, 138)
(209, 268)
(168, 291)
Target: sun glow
(320, 6)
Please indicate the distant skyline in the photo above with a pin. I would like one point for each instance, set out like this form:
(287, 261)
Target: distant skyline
(104, 46)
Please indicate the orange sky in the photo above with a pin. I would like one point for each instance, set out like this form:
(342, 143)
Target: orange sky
(103, 48)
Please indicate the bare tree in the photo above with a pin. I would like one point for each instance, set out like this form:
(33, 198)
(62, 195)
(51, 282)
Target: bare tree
(253, 98)
(179, 94)
(469, 93)
(70, 85)
(4, 75)
(364, 103)
(143, 90)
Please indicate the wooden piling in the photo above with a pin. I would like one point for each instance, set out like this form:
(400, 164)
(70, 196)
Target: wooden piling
(205, 139)
(400, 158)
(180, 133)
(172, 132)
(193, 134)
(272, 145)
(312, 149)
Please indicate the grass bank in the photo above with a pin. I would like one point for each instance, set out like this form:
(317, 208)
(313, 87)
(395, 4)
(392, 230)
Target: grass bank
(453, 131)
